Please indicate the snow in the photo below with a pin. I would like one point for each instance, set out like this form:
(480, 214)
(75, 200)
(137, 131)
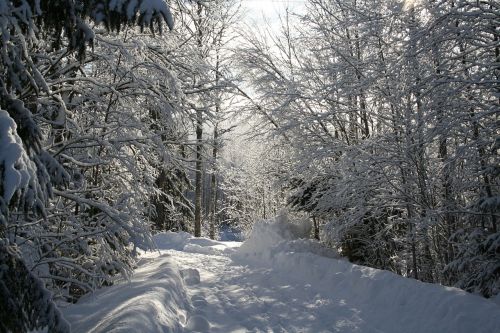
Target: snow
(270, 237)
(191, 276)
(273, 282)
(12, 158)
(496, 299)
(183, 241)
(154, 300)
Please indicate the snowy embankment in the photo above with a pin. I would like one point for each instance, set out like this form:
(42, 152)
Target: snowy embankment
(154, 300)
(274, 282)
(388, 302)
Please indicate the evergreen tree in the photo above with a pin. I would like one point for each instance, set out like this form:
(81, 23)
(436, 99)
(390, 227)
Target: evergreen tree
(29, 172)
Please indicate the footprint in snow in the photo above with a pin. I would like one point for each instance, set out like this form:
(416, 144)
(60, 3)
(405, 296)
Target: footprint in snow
(191, 276)
(199, 301)
(198, 323)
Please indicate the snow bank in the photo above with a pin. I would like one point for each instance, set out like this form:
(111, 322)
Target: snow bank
(171, 240)
(154, 300)
(270, 237)
(183, 241)
(390, 303)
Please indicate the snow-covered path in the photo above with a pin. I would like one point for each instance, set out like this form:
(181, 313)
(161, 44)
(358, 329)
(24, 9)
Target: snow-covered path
(237, 298)
(265, 285)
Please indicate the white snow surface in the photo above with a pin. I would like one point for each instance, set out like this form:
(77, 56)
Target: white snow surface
(154, 300)
(273, 282)
(13, 158)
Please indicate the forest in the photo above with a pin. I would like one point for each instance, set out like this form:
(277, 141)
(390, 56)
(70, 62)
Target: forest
(375, 120)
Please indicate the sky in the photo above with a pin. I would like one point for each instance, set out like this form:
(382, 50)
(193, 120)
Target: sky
(264, 14)
(257, 9)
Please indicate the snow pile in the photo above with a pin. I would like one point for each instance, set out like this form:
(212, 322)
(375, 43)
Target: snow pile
(154, 300)
(171, 240)
(270, 237)
(391, 302)
(388, 302)
(183, 241)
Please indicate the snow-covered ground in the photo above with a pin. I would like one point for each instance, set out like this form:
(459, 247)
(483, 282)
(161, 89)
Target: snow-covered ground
(274, 282)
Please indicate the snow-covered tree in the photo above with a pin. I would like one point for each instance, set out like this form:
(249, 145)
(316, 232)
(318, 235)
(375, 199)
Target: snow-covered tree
(391, 112)
(43, 64)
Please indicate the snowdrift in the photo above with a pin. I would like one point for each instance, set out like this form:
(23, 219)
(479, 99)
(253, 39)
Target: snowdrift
(280, 235)
(183, 241)
(390, 303)
(153, 301)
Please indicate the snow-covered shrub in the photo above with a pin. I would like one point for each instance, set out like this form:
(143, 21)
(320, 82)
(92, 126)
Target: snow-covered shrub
(476, 267)
(25, 304)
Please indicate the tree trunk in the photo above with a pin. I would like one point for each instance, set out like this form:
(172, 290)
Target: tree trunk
(199, 142)
(213, 183)
(199, 179)
(316, 227)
